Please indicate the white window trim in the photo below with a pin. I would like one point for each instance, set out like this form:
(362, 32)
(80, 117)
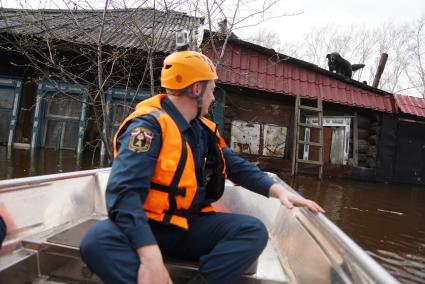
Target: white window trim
(330, 121)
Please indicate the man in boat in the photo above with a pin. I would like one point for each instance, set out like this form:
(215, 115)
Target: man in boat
(170, 165)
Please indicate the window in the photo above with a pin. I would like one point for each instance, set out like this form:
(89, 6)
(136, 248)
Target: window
(245, 138)
(274, 140)
(62, 121)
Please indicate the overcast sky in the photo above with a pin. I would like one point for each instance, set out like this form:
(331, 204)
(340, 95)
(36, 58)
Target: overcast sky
(313, 13)
(310, 14)
(316, 13)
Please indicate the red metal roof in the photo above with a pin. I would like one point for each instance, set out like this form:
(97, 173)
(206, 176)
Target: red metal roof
(410, 105)
(255, 67)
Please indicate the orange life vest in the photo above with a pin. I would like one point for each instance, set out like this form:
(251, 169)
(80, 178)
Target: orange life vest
(174, 184)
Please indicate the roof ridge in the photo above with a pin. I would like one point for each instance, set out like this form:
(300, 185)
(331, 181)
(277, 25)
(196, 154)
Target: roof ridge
(95, 10)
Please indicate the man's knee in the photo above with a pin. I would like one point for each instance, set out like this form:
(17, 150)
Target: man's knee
(256, 229)
(107, 253)
(89, 245)
(262, 234)
(92, 246)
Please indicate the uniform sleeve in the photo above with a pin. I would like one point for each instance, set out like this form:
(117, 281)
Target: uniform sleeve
(130, 180)
(246, 174)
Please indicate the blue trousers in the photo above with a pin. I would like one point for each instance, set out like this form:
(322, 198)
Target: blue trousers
(225, 245)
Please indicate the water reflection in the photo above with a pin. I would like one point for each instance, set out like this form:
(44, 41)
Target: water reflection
(388, 221)
(16, 163)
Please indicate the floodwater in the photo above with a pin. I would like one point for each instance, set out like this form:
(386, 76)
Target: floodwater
(23, 163)
(387, 220)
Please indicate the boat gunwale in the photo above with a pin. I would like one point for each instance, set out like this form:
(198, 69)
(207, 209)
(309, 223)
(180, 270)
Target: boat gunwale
(8, 184)
(374, 270)
(324, 228)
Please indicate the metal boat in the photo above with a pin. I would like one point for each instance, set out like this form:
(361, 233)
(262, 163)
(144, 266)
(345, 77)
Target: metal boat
(48, 215)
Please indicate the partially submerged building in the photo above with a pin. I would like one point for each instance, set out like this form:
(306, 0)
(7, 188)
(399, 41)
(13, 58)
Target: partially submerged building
(284, 114)
(58, 67)
(259, 90)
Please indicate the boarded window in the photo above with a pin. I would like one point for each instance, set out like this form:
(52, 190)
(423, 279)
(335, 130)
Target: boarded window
(274, 140)
(245, 137)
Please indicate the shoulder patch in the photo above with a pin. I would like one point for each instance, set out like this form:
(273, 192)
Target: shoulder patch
(140, 139)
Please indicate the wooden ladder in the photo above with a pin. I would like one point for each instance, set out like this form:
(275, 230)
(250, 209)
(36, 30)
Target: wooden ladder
(298, 125)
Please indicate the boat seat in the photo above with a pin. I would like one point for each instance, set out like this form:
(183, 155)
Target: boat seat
(55, 255)
(72, 237)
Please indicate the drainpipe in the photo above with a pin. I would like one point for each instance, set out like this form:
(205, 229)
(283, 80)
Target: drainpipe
(380, 70)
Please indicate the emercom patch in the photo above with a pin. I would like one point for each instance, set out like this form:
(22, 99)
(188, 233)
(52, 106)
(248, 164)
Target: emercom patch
(140, 139)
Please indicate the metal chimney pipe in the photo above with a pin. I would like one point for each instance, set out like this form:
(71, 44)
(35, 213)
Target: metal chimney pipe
(380, 70)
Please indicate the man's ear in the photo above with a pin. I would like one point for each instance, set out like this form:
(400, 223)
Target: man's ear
(196, 88)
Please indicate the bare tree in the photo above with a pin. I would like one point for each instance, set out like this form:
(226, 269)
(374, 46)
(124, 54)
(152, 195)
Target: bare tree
(95, 48)
(404, 44)
(266, 38)
(415, 70)
(227, 17)
(107, 45)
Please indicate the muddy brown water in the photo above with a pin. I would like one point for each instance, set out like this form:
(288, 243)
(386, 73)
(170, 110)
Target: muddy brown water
(387, 220)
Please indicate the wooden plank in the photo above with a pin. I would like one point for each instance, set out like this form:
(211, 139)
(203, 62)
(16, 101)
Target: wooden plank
(311, 109)
(306, 125)
(310, 143)
(318, 163)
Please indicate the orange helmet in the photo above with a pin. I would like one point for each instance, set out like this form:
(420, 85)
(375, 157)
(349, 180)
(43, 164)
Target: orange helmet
(183, 68)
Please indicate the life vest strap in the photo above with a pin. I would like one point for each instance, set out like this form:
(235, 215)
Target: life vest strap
(188, 214)
(173, 188)
(179, 191)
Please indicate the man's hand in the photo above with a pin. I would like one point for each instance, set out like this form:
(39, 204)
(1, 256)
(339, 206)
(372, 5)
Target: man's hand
(289, 199)
(152, 269)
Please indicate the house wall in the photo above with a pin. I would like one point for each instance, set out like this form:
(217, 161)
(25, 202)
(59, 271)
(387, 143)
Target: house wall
(14, 65)
(401, 151)
(259, 109)
(263, 111)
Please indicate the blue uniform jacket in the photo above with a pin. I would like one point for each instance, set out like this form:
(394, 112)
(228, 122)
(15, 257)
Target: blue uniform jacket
(131, 174)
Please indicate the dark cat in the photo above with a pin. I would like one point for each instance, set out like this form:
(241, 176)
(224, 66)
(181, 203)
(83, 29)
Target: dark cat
(341, 66)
